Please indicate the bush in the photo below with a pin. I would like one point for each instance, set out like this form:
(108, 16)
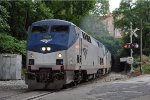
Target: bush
(145, 64)
(146, 68)
(9, 44)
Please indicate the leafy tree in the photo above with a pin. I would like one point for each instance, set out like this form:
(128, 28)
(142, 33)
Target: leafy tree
(23, 13)
(101, 8)
(3, 19)
(9, 44)
(72, 11)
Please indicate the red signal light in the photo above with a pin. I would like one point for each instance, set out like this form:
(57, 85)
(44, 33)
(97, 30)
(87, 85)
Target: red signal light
(125, 46)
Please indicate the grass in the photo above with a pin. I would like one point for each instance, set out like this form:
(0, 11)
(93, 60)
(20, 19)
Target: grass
(145, 65)
(146, 68)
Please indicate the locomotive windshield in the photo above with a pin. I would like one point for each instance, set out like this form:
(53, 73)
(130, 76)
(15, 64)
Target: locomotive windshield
(40, 29)
(60, 28)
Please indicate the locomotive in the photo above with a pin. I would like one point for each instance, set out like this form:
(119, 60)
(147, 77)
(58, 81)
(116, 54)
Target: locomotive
(60, 53)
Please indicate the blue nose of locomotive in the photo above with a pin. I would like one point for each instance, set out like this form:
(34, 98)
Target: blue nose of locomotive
(46, 43)
(50, 36)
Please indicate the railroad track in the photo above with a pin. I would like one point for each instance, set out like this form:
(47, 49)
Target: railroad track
(36, 94)
(12, 95)
(28, 95)
(38, 97)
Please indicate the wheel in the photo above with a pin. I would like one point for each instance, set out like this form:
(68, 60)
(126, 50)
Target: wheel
(98, 74)
(78, 77)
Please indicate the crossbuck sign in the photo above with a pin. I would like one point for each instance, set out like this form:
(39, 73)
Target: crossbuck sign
(134, 32)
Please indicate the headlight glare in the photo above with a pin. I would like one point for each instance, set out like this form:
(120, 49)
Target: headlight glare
(59, 55)
(48, 48)
(43, 49)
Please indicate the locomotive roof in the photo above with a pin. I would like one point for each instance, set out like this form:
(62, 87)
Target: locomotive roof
(53, 21)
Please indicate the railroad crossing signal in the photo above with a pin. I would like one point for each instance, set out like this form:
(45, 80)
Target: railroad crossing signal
(130, 45)
(134, 32)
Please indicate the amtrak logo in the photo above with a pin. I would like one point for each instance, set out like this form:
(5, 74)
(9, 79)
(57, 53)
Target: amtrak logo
(45, 40)
(85, 50)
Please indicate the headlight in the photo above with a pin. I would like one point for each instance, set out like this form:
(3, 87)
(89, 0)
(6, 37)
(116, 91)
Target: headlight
(48, 48)
(43, 49)
(59, 55)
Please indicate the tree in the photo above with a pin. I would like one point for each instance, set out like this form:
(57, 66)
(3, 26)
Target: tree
(143, 14)
(23, 13)
(3, 19)
(9, 44)
(101, 8)
(72, 11)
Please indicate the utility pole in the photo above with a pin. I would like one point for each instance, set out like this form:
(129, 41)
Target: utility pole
(131, 51)
(141, 58)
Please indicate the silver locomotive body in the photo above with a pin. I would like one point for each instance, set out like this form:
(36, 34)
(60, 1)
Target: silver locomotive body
(63, 54)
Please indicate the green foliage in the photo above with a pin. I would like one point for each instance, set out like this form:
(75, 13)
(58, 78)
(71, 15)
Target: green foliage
(70, 10)
(113, 44)
(9, 44)
(146, 68)
(101, 8)
(145, 64)
(40, 11)
(3, 19)
(23, 13)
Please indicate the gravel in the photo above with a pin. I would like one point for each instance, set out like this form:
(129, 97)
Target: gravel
(17, 88)
(13, 85)
(20, 84)
(114, 77)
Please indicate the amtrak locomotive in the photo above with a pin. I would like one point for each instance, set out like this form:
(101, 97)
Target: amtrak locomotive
(60, 53)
